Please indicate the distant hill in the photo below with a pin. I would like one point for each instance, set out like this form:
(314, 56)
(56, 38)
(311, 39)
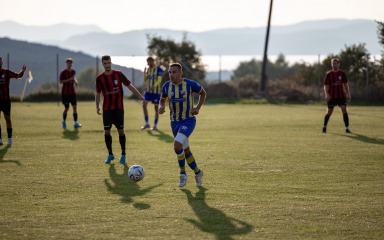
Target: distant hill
(306, 38)
(41, 60)
(44, 34)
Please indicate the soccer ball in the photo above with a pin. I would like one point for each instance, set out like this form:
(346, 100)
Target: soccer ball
(136, 173)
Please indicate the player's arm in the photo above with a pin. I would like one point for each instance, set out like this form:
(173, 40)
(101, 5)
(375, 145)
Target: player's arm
(67, 80)
(326, 91)
(136, 92)
(202, 97)
(346, 87)
(145, 74)
(162, 105)
(97, 100)
(21, 73)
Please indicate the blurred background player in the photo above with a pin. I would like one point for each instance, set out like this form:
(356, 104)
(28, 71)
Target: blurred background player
(68, 95)
(179, 91)
(109, 83)
(336, 91)
(5, 102)
(153, 75)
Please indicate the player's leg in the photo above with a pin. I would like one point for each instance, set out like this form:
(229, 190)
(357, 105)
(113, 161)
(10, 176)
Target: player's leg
(64, 99)
(1, 140)
(75, 116)
(145, 110)
(345, 117)
(156, 117)
(107, 121)
(328, 115)
(7, 116)
(119, 123)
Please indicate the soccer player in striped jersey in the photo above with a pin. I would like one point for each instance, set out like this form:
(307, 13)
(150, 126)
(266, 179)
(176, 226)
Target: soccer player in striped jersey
(153, 75)
(336, 91)
(179, 91)
(68, 95)
(5, 102)
(109, 83)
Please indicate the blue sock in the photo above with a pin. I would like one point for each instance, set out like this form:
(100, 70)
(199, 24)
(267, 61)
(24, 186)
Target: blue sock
(146, 119)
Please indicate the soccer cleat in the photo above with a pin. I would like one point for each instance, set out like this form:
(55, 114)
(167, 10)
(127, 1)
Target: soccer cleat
(122, 159)
(64, 124)
(10, 141)
(77, 125)
(347, 131)
(109, 159)
(324, 129)
(183, 180)
(199, 178)
(154, 128)
(1, 142)
(145, 126)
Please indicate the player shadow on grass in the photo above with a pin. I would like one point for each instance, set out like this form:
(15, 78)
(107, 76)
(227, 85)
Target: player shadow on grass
(161, 135)
(71, 135)
(363, 138)
(2, 154)
(212, 220)
(125, 187)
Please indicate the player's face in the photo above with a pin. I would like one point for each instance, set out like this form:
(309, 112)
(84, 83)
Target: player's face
(107, 64)
(335, 65)
(69, 64)
(151, 63)
(175, 74)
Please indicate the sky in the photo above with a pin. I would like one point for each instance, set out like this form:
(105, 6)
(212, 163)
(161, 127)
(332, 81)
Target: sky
(116, 16)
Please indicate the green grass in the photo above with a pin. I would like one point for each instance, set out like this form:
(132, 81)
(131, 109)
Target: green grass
(269, 174)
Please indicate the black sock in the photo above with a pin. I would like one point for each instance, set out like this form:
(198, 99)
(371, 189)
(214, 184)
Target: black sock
(9, 131)
(108, 142)
(326, 118)
(122, 144)
(346, 119)
(64, 116)
(75, 117)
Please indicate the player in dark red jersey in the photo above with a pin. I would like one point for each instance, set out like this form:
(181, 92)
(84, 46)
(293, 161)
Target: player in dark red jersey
(109, 83)
(68, 95)
(336, 91)
(5, 102)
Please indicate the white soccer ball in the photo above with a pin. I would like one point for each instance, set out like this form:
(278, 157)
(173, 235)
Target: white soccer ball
(136, 173)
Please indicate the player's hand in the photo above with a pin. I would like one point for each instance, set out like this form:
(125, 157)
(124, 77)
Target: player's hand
(195, 111)
(327, 98)
(161, 110)
(348, 99)
(98, 110)
(23, 68)
(75, 81)
(145, 70)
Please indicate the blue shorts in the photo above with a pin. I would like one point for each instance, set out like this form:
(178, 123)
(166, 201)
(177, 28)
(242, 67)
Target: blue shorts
(152, 97)
(184, 127)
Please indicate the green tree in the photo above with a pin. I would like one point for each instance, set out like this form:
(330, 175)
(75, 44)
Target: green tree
(185, 53)
(380, 32)
(87, 78)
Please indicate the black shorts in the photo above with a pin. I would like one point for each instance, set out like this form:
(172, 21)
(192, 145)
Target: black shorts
(338, 101)
(5, 106)
(69, 99)
(115, 117)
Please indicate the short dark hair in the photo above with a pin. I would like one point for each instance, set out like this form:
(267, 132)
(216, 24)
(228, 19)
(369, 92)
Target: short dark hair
(105, 58)
(150, 58)
(176, 65)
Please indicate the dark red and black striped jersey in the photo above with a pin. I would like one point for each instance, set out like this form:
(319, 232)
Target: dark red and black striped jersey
(67, 88)
(5, 76)
(112, 89)
(335, 81)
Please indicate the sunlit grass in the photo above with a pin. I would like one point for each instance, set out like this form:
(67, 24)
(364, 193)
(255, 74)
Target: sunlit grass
(269, 174)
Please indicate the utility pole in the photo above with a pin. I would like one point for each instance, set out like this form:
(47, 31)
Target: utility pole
(263, 81)
(57, 78)
(219, 68)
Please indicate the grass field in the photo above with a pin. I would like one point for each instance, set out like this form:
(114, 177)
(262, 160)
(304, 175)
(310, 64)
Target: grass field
(269, 174)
